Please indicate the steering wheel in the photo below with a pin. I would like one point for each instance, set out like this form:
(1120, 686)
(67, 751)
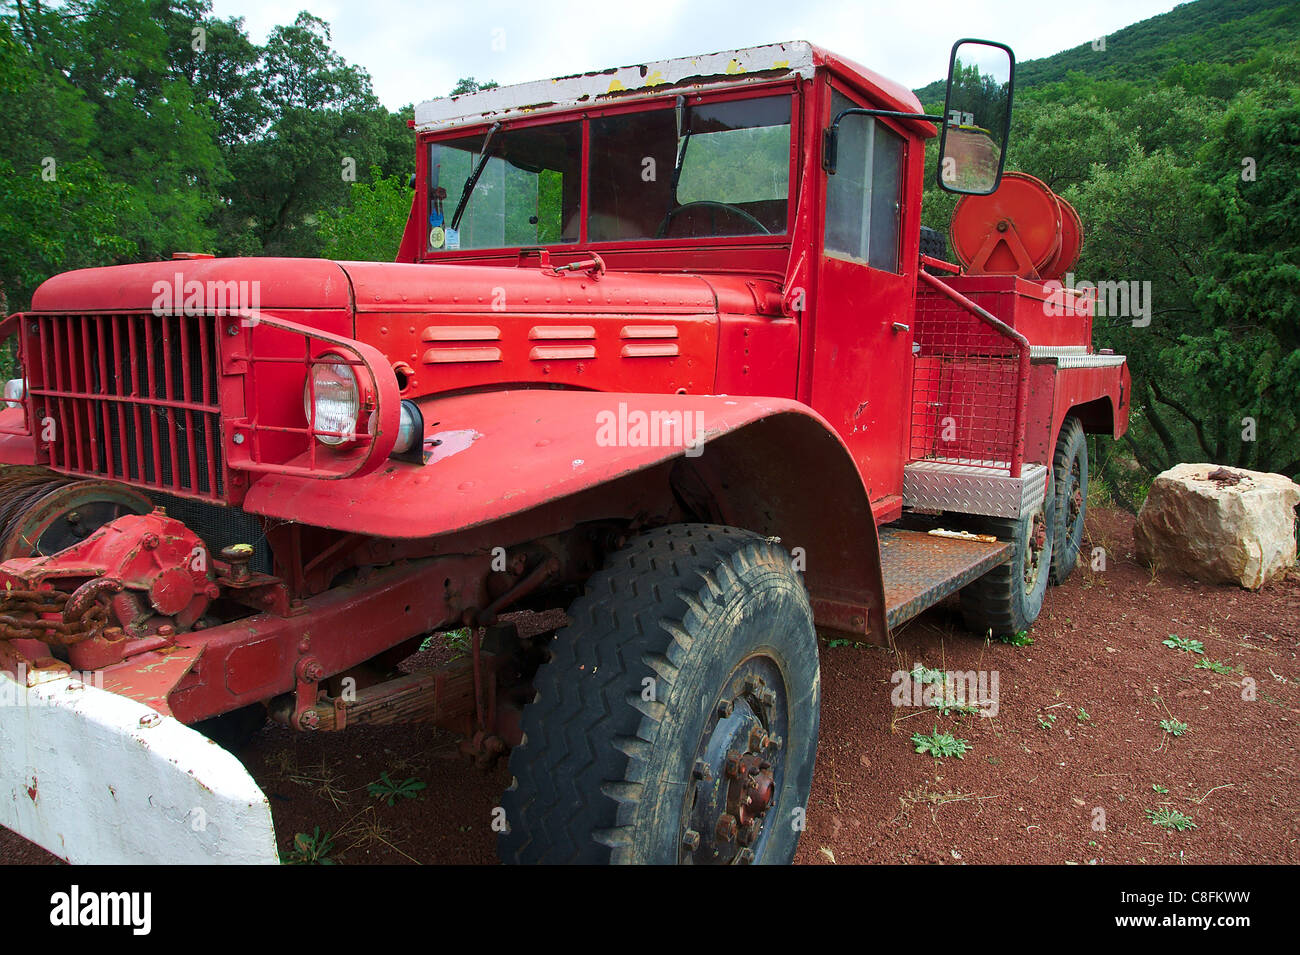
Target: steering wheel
(708, 204)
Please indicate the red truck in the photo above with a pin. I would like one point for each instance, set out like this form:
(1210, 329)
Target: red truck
(665, 346)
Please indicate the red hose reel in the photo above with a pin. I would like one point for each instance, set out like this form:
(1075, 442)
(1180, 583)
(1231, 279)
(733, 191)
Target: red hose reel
(1021, 229)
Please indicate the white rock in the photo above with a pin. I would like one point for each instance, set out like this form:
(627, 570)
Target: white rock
(1219, 524)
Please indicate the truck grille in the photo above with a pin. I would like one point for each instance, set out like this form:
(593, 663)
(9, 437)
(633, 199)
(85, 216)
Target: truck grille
(132, 397)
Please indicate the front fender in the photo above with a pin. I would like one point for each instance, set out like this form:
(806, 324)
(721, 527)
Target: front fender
(774, 466)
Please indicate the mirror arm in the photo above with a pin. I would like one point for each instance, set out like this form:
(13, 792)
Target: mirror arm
(831, 135)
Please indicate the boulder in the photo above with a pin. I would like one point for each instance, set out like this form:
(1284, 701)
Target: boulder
(1219, 524)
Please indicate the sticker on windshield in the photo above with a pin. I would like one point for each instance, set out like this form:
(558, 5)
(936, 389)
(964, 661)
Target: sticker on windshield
(452, 237)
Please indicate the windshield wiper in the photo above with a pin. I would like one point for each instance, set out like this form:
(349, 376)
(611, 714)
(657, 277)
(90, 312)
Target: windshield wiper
(473, 176)
(684, 140)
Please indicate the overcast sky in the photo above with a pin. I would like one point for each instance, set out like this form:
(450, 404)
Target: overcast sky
(417, 50)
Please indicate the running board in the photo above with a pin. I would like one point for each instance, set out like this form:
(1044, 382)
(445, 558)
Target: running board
(922, 568)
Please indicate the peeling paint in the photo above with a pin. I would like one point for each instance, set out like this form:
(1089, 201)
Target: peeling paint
(759, 62)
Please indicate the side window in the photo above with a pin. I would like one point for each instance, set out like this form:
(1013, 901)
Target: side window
(864, 197)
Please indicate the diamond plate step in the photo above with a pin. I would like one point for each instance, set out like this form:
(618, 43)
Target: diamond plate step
(942, 485)
(921, 569)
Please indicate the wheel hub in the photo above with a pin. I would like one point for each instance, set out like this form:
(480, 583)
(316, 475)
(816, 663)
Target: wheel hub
(1076, 493)
(737, 771)
(1034, 552)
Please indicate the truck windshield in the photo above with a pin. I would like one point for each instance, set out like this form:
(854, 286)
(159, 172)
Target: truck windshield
(527, 193)
(733, 178)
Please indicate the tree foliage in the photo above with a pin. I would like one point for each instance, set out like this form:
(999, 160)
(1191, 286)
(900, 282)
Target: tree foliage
(131, 129)
(370, 227)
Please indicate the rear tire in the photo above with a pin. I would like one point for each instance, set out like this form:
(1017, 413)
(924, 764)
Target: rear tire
(1009, 597)
(690, 660)
(1070, 479)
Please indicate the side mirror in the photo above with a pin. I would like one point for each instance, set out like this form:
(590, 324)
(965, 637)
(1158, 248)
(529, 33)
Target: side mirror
(976, 117)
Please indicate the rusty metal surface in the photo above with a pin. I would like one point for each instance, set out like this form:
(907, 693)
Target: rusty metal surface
(42, 513)
(151, 677)
(921, 569)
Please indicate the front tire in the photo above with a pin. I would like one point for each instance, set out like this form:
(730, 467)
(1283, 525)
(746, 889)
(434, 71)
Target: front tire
(677, 719)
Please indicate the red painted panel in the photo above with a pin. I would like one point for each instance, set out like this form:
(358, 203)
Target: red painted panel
(281, 283)
(1031, 307)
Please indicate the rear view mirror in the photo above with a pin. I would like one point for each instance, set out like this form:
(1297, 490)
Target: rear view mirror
(976, 117)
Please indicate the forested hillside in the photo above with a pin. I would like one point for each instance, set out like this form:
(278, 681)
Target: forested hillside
(1187, 38)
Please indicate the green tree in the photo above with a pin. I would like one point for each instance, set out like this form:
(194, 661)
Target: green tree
(370, 227)
(467, 84)
(324, 126)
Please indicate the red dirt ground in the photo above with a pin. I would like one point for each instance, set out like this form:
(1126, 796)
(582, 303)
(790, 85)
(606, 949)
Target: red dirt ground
(1024, 792)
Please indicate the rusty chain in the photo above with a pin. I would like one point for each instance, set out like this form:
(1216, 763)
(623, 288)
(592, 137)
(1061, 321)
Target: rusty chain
(23, 617)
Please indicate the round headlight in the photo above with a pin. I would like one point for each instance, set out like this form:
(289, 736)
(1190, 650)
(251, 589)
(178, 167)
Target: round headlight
(337, 402)
(15, 392)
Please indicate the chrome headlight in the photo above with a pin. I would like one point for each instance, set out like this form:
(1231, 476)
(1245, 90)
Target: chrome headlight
(332, 401)
(15, 392)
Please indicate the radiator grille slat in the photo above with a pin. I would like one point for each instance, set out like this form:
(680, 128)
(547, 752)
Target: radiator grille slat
(134, 398)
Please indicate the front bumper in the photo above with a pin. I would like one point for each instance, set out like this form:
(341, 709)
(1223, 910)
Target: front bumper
(95, 777)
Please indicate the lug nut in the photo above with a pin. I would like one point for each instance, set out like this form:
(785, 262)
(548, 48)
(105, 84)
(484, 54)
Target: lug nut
(690, 840)
(309, 720)
(726, 828)
(725, 708)
(745, 857)
(702, 770)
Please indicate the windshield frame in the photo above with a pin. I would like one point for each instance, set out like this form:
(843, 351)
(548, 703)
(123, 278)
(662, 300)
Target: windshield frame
(659, 100)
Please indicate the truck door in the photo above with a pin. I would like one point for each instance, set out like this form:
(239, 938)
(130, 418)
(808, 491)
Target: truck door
(862, 361)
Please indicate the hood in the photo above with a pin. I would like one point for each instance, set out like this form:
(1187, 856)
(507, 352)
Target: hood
(271, 283)
(454, 287)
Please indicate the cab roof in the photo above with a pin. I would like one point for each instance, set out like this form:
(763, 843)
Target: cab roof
(755, 64)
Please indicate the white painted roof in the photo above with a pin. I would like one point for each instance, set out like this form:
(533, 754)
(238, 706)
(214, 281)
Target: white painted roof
(771, 61)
